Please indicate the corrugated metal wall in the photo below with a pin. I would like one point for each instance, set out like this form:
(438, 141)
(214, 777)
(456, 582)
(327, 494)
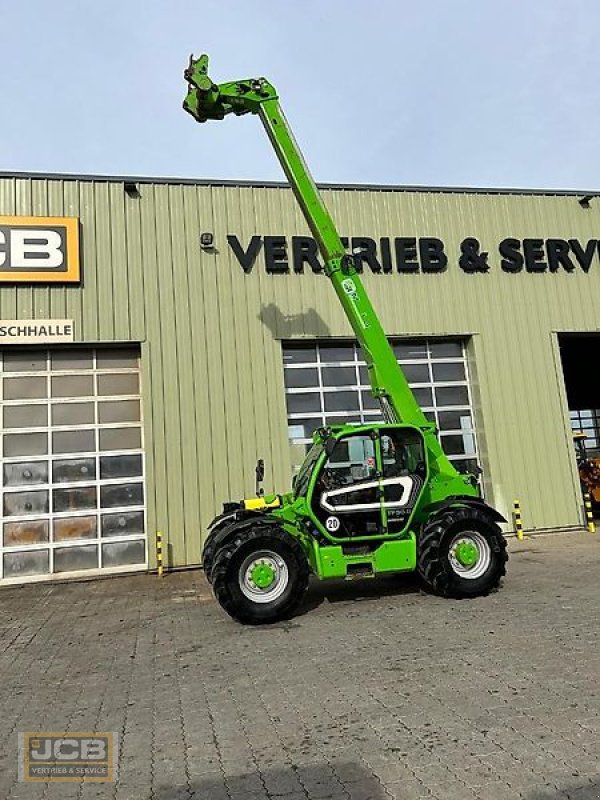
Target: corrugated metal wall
(212, 368)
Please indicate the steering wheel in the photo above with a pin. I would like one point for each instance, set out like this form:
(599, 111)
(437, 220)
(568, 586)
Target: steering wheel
(331, 479)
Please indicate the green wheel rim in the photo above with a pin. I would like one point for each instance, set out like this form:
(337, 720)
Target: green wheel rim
(470, 555)
(263, 576)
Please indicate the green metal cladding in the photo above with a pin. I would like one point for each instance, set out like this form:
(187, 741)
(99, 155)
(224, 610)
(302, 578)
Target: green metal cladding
(211, 334)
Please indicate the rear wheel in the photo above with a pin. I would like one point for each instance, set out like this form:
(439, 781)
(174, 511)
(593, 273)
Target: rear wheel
(260, 575)
(210, 549)
(462, 553)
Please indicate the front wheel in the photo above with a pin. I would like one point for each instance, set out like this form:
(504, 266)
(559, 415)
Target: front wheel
(260, 575)
(462, 553)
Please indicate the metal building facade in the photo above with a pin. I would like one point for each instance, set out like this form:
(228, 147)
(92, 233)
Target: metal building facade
(211, 334)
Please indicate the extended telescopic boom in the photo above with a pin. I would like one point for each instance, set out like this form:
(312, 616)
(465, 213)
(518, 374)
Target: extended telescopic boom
(205, 101)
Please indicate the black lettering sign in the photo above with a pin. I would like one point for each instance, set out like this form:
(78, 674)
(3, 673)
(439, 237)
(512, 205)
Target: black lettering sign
(512, 258)
(386, 254)
(365, 252)
(533, 252)
(558, 255)
(276, 254)
(471, 260)
(431, 253)
(245, 257)
(406, 254)
(584, 257)
(305, 251)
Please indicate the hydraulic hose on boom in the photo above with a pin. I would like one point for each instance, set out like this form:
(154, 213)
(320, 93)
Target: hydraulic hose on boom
(209, 101)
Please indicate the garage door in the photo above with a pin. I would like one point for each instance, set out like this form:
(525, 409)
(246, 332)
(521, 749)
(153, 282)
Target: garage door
(327, 383)
(72, 462)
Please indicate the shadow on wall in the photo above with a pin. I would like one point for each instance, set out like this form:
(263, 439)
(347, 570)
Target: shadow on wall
(315, 780)
(308, 323)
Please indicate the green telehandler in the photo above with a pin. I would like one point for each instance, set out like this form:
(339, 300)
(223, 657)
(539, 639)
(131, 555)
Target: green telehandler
(369, 499)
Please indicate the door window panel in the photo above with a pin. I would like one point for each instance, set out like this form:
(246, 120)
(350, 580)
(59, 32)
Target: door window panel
(338, 376)
(120, 438)
(24, 361)
(123, 358)
(72, 385)
(451, 371)
(118, 554)
(417, 373)
(123, 524)
(74, 528)
(21, 564)
(70, 559)
(73, 414)
(65, 480)
(303, 403)
(24, 388)
(24, 416)
(301, 378)
(122, 466)
(74, 441)
(24, 533)
(126, 383)
(68, 360)
(300, 355)
(121, 494)
(452, 396)
(19, 504)
(341, 401)
(74, 499)
(25, 473)
(119, 411)
(25, 444)
(74, 469)
(313, 373)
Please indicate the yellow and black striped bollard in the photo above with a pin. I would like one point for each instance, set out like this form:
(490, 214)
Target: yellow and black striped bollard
(589, 516)
(518, 520)
(159, 554)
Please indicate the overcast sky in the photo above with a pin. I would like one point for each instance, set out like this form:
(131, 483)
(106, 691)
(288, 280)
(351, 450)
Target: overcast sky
(446, 92)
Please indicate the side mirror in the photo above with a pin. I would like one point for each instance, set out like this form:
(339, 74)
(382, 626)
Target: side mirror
(260, 475)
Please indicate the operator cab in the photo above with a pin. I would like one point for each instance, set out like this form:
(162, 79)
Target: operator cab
(369, 481)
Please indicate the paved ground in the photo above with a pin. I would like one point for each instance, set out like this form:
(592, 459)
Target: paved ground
(373, 692)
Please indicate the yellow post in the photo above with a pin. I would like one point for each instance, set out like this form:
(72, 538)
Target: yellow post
(159, 554)
(517, 520)
(587, 501)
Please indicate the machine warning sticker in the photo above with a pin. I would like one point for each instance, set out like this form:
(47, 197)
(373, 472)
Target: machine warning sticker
(350, 288)
(332, 524)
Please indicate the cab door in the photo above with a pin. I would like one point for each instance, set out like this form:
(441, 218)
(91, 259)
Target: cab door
(347, 496)
(403, 474)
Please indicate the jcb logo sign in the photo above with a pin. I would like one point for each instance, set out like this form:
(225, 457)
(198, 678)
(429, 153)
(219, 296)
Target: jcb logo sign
(39, 250)
(59, 756)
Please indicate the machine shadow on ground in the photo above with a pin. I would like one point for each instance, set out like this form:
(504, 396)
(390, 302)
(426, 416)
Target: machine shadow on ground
(589, 792)
(320, 781)
(340, 591)
(315, 780)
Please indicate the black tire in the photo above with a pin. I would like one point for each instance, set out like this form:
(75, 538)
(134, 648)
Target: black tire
(437, 566)
(228, 565)
(209, 550)
(216, 538)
